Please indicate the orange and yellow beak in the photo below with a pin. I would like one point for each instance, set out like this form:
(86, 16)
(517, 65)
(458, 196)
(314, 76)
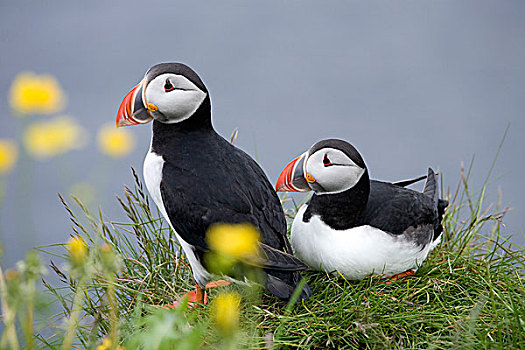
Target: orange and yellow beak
(292, 178)
(132, 110)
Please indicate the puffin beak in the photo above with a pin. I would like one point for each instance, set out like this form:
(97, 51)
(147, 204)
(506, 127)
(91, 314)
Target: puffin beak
(132, 110)
(292, 178)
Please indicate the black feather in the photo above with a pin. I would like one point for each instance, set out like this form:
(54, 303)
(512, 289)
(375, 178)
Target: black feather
(405, 183)
(273, 259)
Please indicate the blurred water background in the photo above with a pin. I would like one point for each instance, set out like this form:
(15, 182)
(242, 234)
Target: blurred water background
(410, 84)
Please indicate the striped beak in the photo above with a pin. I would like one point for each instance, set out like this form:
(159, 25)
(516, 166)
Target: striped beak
(132, 110)
(292, 178)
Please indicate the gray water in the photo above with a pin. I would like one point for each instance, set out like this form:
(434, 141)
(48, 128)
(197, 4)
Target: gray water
(410, 84)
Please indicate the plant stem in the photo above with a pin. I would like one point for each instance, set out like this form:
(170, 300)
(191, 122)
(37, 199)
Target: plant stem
(9, 334)
(113, 315)
(75, 314)
(30, 314)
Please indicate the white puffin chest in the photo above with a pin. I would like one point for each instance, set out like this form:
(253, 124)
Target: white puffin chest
(356, 252)
(153, 166)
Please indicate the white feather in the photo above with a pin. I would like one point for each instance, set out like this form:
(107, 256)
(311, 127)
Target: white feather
(356, 252)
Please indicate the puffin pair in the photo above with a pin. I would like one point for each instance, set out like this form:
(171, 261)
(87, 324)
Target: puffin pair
(357, 226)
(198, 179)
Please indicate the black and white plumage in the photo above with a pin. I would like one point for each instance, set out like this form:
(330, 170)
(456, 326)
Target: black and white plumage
(197, 178)
(357, 226)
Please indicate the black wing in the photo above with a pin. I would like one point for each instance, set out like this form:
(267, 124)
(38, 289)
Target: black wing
(269, 213)
(222, 187)
(394, 209)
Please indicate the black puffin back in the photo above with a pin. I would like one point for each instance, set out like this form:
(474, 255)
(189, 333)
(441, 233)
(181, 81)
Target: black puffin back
(222, 177)
(394, 209)
(228, 186)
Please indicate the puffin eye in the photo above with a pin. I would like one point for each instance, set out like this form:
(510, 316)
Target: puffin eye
(326, 161)
(168, 86)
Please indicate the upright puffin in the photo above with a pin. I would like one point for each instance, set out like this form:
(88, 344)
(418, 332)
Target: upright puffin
(197, 178)
(356, 226)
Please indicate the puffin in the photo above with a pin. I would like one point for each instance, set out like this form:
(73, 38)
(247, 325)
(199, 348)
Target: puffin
(198, 179)
(355, 225)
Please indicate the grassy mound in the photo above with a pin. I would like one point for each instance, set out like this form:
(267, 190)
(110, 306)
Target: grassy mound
(469, 293)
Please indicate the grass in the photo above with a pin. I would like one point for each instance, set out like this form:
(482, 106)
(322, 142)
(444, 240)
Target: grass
(468, 294)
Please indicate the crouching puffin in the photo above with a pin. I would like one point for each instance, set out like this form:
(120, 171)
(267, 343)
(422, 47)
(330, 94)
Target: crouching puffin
(197, 178)
(356, 226)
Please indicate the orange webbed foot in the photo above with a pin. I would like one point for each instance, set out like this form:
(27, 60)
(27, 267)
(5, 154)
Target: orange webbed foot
(197, 297)
(393, 278)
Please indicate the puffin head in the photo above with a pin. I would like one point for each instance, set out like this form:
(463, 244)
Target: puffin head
(169, 93)
(328, 167)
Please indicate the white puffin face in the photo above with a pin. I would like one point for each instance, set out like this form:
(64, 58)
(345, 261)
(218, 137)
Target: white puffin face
(172, 98)
(330, 170)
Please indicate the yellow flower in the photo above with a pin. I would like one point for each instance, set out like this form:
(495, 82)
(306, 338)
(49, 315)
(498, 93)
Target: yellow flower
(48, 138)
(8, 156)
(239, 241)
(77, 250)
(36, 94)
(106, 345)
(108, 259)
(225, 312)
(115, 142)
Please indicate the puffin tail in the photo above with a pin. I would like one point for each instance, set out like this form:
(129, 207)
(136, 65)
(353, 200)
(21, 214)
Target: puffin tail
(431, 190)
(282, 273)
(431, 187)
(284, 290)
(277, 260)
